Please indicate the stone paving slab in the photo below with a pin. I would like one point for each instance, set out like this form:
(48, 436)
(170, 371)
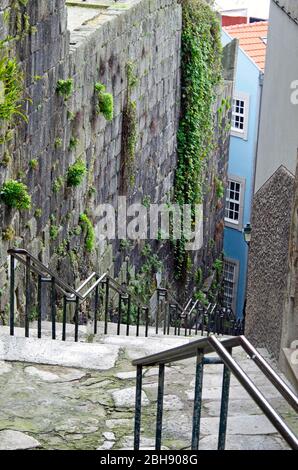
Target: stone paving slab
(46, 351)
(79, 408)
(15, 440)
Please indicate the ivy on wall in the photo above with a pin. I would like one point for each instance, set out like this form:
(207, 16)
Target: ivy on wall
(11, 76)
(129, 133)
(201, 73)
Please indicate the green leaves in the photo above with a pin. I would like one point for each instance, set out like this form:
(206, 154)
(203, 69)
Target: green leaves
(105, 102)
(89, 231)
(65, 88)
(201, 73)
(76, 173)
(11, 80)
(15, 194)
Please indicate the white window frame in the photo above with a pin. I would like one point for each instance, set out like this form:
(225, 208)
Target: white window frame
(242, 133)
(235, 262)
(237, 225)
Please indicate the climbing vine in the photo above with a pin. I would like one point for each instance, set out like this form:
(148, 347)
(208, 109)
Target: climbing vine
(11, 76)
(129, 132)
(201, 73)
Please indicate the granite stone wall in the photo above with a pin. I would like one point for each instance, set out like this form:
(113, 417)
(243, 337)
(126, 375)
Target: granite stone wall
(146, 34)
(268, 261)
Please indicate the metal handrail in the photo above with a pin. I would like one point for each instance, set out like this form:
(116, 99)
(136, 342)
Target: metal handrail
(70, 294)
(223, 348)
(16, 252)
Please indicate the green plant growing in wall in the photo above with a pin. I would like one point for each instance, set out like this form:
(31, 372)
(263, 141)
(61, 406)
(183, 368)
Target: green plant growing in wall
(8, 234)
(105, 104)
(11, 90)
(129, 132)
(6, 159)
(76, 173)
(58, 143)
(89, 231)
(38, 213)
(201, 73)
(73, 143)
(65, 88)
(199, 277)
(218, 266)
(201, 297)
(146, 201)
(219, 188)
(7, 137)
(54, 231)
(58, 184)
(70, 115)
(14, 194)
(33, 164)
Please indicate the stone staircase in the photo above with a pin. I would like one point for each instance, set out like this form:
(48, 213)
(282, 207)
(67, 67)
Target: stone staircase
(66, 395)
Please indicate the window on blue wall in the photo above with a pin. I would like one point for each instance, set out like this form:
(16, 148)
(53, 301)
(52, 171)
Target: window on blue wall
(230, 283)
(240, 115)
(233, 202)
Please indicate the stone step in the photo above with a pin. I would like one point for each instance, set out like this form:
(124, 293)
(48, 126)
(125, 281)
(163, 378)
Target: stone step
(99, 355)
(86, 332)
(291, 356)
(91, 404)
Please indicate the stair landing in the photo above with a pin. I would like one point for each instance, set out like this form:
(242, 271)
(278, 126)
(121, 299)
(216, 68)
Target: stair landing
(58, 407)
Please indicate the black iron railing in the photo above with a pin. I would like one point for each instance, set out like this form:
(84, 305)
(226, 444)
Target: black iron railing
(195, 317)
(200, 349)
(103, 283)
(114, 303)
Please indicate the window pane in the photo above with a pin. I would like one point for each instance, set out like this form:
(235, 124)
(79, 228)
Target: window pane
(232, 211)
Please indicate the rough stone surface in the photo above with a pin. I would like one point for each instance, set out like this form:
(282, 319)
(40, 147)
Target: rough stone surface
(289, 362)
(148, 34)
(268, 261)
(4, 368)
(126, 398)
(15, 440)
(44, 351)
(94, 409)
(126, 375)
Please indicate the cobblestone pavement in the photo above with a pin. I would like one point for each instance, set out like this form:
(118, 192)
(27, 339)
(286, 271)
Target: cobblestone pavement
(54, 407)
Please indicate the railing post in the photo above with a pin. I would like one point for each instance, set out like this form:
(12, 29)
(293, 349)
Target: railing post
(190, 325)
(119, 315)
(176, 319)
(147, 321)
(96, 304)
(169, 317)
(107, 305)
(128, 314)
(224, 408)
(161, 380)
(138, 408)
(64, 318)
(197, 401)
(12, 287)
(138, 320)
(53, 307)
(157, 312)
(186, 326)
(27, 307)
(77, 308)
(164, 318)
(39, 319)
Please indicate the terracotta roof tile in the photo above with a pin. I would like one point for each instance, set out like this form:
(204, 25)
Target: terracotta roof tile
(251, 40)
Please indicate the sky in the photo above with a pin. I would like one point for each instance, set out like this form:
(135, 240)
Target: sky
(257, 8)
